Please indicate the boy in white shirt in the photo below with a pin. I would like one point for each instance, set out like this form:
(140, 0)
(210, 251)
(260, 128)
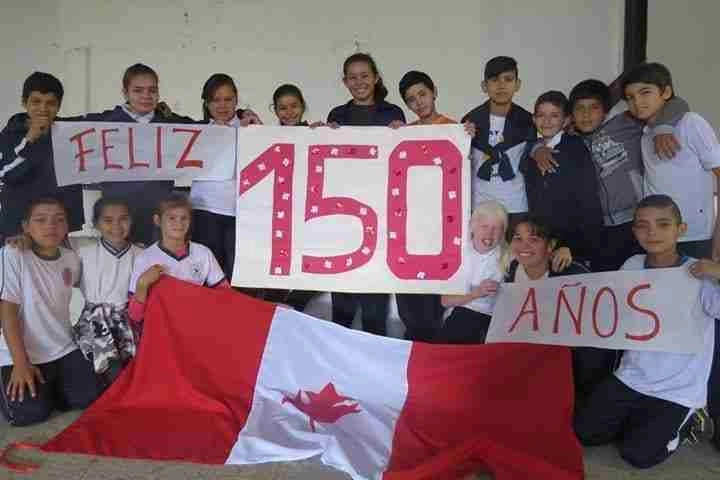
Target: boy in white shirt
(41, 366)
(646, 403)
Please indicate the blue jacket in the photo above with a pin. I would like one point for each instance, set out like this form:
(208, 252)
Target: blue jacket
(385, 113)
(29, 173)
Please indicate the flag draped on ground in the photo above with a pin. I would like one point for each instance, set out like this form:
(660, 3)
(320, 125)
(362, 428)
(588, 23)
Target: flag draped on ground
(224, 378)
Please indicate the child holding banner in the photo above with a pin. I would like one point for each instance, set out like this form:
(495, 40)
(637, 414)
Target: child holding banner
(142, 105)
(646, 406)
(367, 108)
(27, 170)
(487, 261)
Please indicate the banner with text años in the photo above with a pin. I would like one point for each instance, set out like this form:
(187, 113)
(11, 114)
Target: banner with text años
(94, 152)
(354, 209)
(652, 309)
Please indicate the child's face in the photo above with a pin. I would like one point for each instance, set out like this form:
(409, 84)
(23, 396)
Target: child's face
(588, 114)
(42, 106)
(657, 230)
(360, 81)
(645, 100)
(502, 87)
(174, 223)
(487, 232)
(421, 100)
(223, 104)
(142, 94)
(549, 119)
(47, 226)
(114, 224)
(289, 110)
(529, 249)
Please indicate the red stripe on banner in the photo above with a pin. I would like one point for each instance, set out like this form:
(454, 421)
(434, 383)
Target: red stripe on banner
(502, 408)
(189, 391)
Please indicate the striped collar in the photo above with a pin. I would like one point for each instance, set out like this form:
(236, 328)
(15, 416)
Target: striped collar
(114, 251)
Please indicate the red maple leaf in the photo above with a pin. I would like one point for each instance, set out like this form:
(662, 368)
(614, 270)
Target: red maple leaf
(325, 406)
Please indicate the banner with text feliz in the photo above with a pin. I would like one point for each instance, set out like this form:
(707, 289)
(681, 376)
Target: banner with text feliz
(94, 152)
(355, 209)
(654, 309)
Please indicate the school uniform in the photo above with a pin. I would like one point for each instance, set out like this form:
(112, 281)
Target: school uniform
(103, 330)
(27, 171)
(42, 288)
(142, 196)
(495, 178)
(652, 394)
(374, 306)
(469, 323)
(566, 199)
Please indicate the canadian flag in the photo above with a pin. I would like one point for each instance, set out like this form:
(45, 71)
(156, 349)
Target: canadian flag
(224, 378)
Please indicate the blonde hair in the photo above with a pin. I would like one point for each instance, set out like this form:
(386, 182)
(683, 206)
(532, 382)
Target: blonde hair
(493, 209)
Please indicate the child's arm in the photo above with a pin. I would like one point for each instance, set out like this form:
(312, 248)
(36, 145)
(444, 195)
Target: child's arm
(21, 150)
(23, 373)
(663, 128)
(485, 289)
(710, 291)
(136, 303)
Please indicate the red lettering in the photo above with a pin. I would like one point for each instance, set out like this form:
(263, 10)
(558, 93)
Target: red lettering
(82, 151)
(576, 316)
(533, 310)
(615, 312)
(158, 147)
(105, 147)
(184, 162)
(131, 151)
(656, 321)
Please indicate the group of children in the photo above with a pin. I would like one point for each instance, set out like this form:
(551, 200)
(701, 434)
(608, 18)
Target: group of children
(566, 189)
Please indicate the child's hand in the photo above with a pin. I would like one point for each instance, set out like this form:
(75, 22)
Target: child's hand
(395, 124)
(485, 289)
(561, 259)
(19, 242)
(150, 276)
(23, 375)
(666, 145)
(705, 268)
(544, 159)
(37, 127)
(470, 129)
(317, 124)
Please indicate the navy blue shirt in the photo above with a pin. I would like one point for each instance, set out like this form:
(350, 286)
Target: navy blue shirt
(381, 114)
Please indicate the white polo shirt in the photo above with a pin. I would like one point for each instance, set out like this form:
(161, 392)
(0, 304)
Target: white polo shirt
(198, 265)
(687, 177)
(106, 271)
(42, 288)
(482, 266)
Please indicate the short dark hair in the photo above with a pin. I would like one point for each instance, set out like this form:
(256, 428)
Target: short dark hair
(653, 73)
(136, 70)
(413, 77)
(211, 86)
(104, 202)
(288, 89)
(591, 89)
(380, 91)
(554, 97)
(537, 226)
(43, 200)
(660, 201)
(44, 83)
(497, 65)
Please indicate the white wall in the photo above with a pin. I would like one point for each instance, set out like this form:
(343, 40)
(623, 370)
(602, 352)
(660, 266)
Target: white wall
(262, 44)
(684, 36)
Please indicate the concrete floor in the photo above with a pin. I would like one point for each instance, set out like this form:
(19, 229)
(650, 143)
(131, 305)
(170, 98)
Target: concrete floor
(698, 462)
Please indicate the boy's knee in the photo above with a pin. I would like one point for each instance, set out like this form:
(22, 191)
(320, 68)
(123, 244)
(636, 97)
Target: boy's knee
(82, 399)
(22, 414)
(643, 458)
(589, 433)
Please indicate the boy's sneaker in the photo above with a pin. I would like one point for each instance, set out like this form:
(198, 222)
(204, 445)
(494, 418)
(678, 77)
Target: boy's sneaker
(699, 427)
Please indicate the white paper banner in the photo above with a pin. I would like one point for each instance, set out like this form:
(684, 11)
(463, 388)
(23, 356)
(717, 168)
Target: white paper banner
(629, 310)
(94, 152)
(356, 209)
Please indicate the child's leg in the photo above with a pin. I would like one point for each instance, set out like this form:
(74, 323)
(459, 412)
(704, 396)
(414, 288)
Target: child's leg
(464, 326)
(228, 246)
(421, 314)
(591, 366)
(344, 306)
(374, 312)
(77, 384)
(714, 387)
(30, 410)
(652, 431)
(599, 420)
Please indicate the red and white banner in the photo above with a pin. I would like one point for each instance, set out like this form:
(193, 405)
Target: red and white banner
(628, 310)
(94, 152)
(257, 383)
(367, 209)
